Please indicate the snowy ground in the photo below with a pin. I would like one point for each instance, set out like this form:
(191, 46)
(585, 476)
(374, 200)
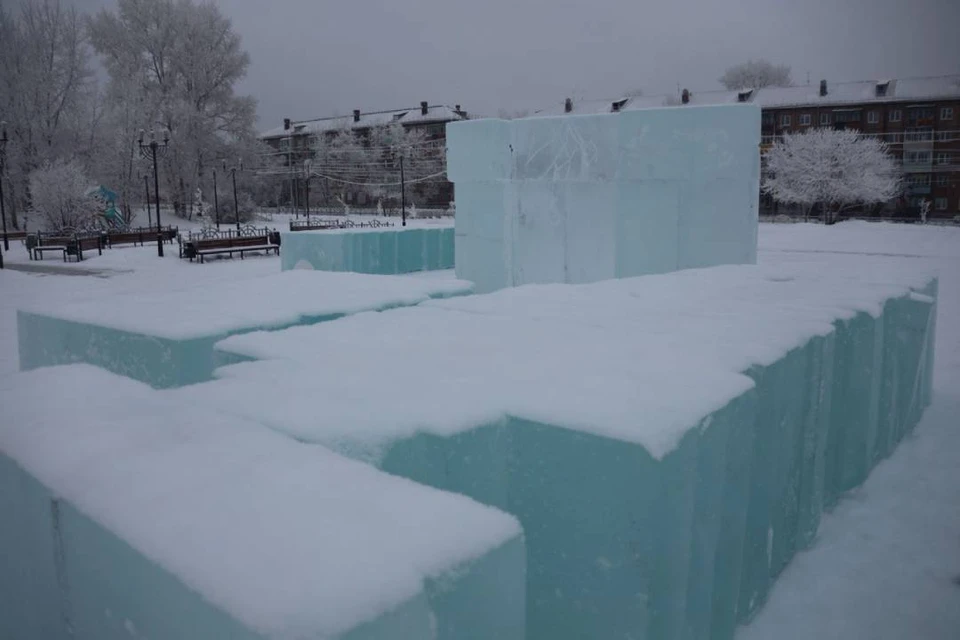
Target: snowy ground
(886, 564)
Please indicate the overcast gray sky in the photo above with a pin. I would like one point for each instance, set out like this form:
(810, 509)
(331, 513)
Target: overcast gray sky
(311, 58)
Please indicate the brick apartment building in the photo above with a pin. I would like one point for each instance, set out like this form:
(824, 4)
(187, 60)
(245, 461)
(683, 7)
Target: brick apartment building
(918, 117)
(292, 143)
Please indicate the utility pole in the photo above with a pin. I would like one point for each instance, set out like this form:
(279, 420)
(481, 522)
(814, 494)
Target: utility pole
(3, 211)
(403, 200)
(216, 205)
(146, 202)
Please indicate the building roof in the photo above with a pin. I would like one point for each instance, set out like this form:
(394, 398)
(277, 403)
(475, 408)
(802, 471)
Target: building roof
(435, 113)
(838, 94)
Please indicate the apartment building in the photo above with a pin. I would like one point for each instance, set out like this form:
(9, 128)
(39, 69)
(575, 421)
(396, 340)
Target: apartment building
(918, 117)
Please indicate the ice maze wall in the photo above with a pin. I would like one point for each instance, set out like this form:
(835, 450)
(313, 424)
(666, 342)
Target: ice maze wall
(383, 252)
(619, 543)
(82, 557)
(622, 544)
(584, 198)
(141, 350)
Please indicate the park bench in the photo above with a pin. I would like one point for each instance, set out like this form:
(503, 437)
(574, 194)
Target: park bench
(16, 235)
(140, 235)
(200, 247)
(66, 245)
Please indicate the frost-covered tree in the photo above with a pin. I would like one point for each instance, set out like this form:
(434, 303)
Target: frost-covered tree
(179, 61)
(47, 91)
(756, 74)
(62, 195)
(831, 169)
(346, 162)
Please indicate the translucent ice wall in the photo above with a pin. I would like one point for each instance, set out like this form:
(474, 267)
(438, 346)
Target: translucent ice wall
(136, 518)
(583, 198)
(664, 478)
(166, 340)
(385, 252)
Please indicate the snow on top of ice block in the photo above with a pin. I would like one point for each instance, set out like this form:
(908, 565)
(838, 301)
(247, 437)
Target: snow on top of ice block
(413, 224)
(443, 372)
(641, 359)
(733, 316)
(264, 302)
(290, 539)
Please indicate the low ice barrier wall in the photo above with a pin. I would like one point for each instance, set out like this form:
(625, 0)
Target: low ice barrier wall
(133, 518)
(166, 340)
(389, 251)
(668, 443)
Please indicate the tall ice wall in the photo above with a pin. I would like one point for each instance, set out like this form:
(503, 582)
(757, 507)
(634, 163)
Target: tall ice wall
(578, 199)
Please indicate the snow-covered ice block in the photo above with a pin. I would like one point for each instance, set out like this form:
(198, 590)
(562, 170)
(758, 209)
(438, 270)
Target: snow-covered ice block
(166, 340)
(373, 251)
(547, 400)
(587, 198)
(137, 518)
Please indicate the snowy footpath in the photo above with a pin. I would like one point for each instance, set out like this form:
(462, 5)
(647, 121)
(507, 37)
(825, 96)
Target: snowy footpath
(886, 564)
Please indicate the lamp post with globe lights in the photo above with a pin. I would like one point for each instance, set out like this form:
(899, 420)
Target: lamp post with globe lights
(151, 150)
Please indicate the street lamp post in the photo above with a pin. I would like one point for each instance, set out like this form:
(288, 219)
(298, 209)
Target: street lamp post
(236, 203)
(146, 202)
(3, 211)
(216, 205)
(151, 150)
(307, 165)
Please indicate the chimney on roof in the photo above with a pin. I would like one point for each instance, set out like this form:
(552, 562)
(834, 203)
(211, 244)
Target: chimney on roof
(356, 115)
(286, 124)
(685, 96)
(456, 108)
(423, 108)
(823, 88)
(567, 105)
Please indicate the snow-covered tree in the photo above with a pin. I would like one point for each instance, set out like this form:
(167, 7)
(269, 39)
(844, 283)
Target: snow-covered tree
(831, 169)
(62, 195)
(756, 74)
(47, 91)
(183, 60)
(345, 162)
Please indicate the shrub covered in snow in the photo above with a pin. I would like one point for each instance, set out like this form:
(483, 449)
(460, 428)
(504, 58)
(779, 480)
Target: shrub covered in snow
(60, 193)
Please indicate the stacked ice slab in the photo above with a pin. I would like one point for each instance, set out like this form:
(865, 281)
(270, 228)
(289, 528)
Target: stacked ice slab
(389, 251)
(166, 340)
(133, 518)
(578, 199)
(667, 442)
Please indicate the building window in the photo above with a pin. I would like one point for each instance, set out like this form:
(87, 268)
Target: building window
(824, 119)
(873, 117)
(943, 158)
(919, 180)
(768, 119)
(946, 113)
(943, 179)
(804, 119)
(785, 120)
(918, 135)
(916, 157)
(941, 204)
(896, 115)
(920, 113)
(847, 115)
(944, 136)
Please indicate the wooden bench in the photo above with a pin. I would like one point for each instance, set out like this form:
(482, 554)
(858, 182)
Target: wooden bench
(37, 252)
(16, 235)
(85, 243)
(74, 246)
(214, 246)
(141, 236)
